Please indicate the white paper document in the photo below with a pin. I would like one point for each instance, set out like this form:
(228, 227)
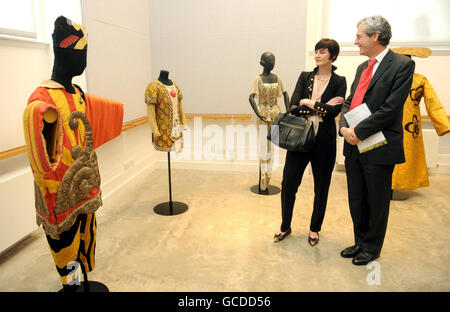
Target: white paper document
(354, 117)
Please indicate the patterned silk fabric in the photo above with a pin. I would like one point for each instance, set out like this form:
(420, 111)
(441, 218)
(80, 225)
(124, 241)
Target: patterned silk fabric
(68, 183)
(413, 172)
(267, 104)
(165, 113)
(75, 247)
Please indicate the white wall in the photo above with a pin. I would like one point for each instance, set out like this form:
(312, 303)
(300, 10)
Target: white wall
(119, 52)
(212, 48)
(17, 195)
(23, 66)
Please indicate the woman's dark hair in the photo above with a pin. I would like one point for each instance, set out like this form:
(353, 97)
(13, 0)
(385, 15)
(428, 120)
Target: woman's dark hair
(331, 45)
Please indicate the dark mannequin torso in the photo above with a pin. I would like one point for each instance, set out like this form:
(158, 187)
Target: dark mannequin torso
(68, 64)
(267, 77)
(164, 78)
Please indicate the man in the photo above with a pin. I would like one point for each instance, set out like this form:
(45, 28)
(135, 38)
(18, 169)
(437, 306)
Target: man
(383, 84)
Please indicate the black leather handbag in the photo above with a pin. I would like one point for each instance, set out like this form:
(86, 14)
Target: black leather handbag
(292, 133)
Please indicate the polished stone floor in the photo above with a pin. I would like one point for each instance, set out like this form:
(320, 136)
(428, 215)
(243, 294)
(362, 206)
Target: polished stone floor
(224, 242)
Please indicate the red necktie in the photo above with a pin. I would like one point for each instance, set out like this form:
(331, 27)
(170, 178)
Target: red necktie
(363, 84)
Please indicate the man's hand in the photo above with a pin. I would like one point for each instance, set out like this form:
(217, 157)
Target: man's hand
(350, 135)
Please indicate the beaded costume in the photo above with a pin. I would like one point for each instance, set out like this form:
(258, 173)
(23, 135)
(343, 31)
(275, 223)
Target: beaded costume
(268, 107)
(166, 115)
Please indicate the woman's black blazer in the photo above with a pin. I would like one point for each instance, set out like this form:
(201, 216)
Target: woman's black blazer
(337, 86)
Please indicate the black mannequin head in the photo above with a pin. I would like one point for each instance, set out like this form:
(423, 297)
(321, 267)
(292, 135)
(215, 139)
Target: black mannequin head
(267, 61)
(70, 50)
(68, 62)
(164, 77)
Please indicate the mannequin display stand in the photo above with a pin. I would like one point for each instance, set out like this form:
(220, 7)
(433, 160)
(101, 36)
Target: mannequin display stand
(267, 87)
(270, 190)
(90, 286)
(85, 286)
(170, 208)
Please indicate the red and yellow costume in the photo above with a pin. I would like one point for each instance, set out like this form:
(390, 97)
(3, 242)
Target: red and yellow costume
(62, 131)
(70, 183)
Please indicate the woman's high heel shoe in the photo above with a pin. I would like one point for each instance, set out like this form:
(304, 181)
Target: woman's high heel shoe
(280, 236)
(313, 241)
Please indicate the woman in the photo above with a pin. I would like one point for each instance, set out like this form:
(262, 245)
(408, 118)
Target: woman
(318, 95)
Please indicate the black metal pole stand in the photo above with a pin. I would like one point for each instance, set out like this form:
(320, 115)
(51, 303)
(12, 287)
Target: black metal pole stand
(170, 208)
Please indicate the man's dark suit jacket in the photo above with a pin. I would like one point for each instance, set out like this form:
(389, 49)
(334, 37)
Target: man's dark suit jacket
(384, 97)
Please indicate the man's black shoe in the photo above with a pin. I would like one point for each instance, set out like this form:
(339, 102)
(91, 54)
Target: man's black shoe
(364, 258)
(350, 252)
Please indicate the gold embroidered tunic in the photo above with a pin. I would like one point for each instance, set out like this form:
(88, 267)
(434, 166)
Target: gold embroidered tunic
(165, 114)
(413, 172)
(268, 94)
(65, 169)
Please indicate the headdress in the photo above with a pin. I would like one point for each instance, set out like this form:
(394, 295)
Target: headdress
(69, 35)
(416, 51)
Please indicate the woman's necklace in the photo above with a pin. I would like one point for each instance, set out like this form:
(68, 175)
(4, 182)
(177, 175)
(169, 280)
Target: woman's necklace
(323, 78)
(319, 87)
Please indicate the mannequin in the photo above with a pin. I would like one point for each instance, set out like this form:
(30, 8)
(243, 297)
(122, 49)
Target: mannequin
(62, 127)
(166, 117)
(268, 87)
(68, 63)
(413, 172)
(268, 63)
(165, 113)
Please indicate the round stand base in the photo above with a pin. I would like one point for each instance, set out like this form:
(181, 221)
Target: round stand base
(165, 210)
(271, 190)
(93, 287)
